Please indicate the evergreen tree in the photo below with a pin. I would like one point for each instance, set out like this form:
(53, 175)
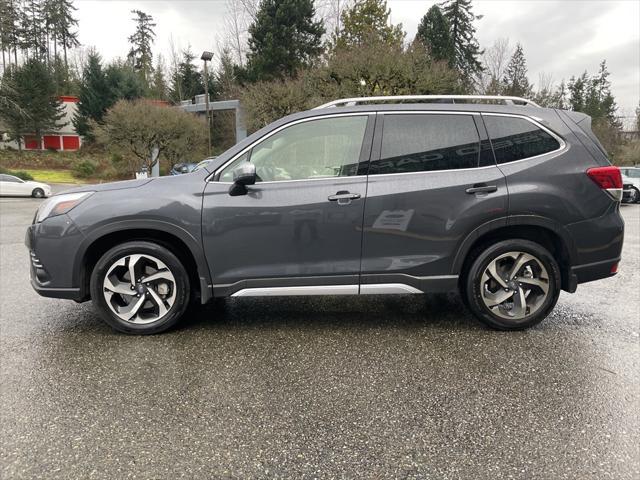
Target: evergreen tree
(467, 51)
(600, 102)
(159, 88)
(64, 25)
(124, 82)
(140, 54)
(95, 96)
(186, 81)
(283, 39)
(10, 14)
(367, 21)
(32, 21)
(592, 95)
(36, 108)
(515, 81)
(434, 32)
(225, 75)
(7, 30)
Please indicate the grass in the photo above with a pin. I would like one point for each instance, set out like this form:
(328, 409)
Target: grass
(52, 176)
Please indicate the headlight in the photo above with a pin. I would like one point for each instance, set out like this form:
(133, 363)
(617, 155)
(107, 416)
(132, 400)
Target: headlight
(60, 204)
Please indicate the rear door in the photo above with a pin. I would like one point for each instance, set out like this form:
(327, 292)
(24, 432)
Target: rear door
(432, 181)
(301, 223)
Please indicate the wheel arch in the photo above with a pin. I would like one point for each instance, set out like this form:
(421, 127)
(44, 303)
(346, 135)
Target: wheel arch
(541, 230)
(178, 241)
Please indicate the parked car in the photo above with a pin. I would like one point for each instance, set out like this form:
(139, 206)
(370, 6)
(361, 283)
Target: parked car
(11, 186)
(631, 184)
(181, 168)
(204, 163)
(506, 203)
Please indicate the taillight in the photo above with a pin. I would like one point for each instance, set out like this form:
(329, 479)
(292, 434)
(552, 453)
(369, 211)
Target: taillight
(609, 179)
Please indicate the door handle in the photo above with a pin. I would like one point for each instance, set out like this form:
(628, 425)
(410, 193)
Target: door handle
(343, 197)
(481, 188)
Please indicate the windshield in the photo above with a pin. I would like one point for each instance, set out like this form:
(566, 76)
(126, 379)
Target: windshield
(633, 173)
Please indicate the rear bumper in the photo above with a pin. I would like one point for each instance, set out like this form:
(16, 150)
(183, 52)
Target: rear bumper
(598, 248)
(592, 271)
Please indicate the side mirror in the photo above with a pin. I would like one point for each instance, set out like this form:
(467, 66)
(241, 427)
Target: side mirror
(184, 169)
(244, 175)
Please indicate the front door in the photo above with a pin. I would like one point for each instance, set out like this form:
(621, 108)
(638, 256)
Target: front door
(301, 223)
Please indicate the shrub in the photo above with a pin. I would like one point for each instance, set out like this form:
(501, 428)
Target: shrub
(84, 169)
(133, 129)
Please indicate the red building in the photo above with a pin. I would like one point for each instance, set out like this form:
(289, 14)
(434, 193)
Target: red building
(63, 138)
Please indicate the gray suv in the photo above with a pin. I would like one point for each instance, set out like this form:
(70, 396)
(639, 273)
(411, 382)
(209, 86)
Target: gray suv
(499, 199)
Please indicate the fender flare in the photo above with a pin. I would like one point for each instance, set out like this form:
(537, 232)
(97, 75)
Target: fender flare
(513, 221)
(192, 243)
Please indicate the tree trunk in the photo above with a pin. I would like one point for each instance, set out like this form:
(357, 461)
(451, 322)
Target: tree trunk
(66, 65)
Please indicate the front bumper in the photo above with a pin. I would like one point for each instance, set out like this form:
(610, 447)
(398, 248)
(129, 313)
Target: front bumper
(52, 248)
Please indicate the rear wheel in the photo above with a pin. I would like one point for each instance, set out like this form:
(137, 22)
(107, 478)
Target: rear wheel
(513, 285)
(635, 195)
(140, 287)
(37, 193)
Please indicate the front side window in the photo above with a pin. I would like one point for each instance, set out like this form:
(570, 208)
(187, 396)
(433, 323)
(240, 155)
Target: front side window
(322, 148)
(427, 142)
(516, 138)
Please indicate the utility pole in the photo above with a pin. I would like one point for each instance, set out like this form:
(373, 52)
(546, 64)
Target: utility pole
(206, 57)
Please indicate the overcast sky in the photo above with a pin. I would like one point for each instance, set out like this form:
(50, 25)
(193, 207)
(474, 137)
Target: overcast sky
(562, 38)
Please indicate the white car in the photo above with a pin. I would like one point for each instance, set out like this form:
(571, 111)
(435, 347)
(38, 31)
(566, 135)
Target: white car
(13, 186)
(631, 181)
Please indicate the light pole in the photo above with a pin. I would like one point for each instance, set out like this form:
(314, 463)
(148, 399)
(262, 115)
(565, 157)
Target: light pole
(206, 57)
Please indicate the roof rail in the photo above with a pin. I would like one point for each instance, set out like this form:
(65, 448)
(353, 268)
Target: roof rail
(427, 99)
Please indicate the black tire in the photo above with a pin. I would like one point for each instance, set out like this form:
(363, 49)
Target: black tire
(636, 198)
(472, 284)
(182, 287)
(37, 193)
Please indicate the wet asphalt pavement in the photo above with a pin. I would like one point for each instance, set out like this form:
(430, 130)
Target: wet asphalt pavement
(376, 387)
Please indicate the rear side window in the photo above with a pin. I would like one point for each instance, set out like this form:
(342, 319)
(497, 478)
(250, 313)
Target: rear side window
(516, 138)
(427, 142)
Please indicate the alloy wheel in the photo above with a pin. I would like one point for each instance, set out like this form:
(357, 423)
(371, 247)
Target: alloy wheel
(514, 285)
(139, 288)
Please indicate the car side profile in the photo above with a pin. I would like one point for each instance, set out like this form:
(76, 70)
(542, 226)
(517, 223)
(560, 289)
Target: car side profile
(499, 199)
(12, 186)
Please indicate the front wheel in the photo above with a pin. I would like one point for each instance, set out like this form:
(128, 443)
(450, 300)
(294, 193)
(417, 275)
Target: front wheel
(140, 288)
(635, 195)
(37, 193)
(513, 284)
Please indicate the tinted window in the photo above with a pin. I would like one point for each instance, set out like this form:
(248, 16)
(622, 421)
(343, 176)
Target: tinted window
(427, 142)
(323, 148)
(517, 138)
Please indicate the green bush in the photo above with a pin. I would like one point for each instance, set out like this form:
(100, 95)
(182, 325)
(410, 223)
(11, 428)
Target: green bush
(84, 169)
(22, 175)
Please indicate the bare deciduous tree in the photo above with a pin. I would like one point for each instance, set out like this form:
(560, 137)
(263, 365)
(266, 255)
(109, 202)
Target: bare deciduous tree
(495, 61)
(236, 24)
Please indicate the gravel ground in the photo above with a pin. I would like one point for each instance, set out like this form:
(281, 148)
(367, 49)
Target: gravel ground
(375, 387)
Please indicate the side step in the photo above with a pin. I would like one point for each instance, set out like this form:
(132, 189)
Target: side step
(371, 289)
